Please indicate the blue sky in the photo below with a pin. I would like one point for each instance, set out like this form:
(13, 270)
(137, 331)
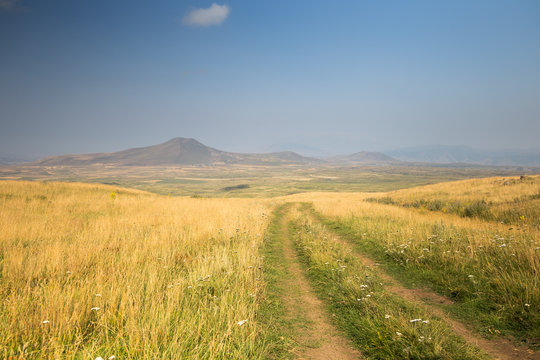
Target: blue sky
(327, 76)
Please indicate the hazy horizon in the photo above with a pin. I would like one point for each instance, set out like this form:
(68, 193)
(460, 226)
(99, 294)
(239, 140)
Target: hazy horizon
(240, 76)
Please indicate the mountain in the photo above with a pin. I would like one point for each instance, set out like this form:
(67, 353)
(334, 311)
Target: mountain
(466, 155)
(298, 148)
(364, 158)
(177, 151)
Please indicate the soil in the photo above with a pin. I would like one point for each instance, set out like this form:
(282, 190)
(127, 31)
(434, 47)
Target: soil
(499, 348)
(319, 339)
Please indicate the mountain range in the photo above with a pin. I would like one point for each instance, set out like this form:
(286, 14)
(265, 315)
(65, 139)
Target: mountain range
(187, 151)
(177, 151)
(441, 154)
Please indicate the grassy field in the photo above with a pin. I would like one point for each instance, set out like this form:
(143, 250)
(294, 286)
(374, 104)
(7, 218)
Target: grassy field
(92, 270)
(512, 200)
(378, 321)
(491, 268)
(253, 181)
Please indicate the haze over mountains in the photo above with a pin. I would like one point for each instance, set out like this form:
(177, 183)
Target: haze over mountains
(441, 154)
(178, 151)
(364, 157)
(188, 151)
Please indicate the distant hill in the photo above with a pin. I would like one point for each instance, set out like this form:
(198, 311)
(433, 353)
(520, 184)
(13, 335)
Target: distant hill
(177, 151)
(364, 158)
(7, 160)
(466, 155)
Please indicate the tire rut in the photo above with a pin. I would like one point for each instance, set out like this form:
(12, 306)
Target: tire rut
(319, 339)
(501, 348)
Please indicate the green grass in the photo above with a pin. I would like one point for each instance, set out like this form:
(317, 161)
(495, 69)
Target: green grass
(491, 288)
(261, 181)
(279, 334)
(379, 323)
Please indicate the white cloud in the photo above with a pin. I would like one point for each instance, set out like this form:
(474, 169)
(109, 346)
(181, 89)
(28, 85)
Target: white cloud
(214, 15)
(8, 4)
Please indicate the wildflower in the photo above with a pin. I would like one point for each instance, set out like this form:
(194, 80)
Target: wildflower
(502, 245)
(241, 322)
(387, 316)
(527, 305)
(471, 276)
(398, 333)
(421, 338)
(111, 357)
(97, 295)
(45, 322)
(326, 263)
(415, 320)
(95, 309)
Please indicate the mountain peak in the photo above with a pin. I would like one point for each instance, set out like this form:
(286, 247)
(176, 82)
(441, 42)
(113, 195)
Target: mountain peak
(176, 151)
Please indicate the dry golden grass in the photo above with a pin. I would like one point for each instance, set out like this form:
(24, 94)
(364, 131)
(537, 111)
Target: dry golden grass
(171, 277)
(512, 200)
(491, 266)
(494, 189)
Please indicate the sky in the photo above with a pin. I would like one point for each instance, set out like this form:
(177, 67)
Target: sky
(319, 77)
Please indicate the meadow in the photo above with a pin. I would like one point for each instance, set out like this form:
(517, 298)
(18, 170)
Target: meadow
(91, 270)
(489, 266)
(254, 181)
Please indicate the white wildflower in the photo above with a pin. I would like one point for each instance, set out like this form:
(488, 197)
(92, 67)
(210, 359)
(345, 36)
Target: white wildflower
(398, 333)
(45, 321)
(95, 308)
(387, 316)
(241, 322)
